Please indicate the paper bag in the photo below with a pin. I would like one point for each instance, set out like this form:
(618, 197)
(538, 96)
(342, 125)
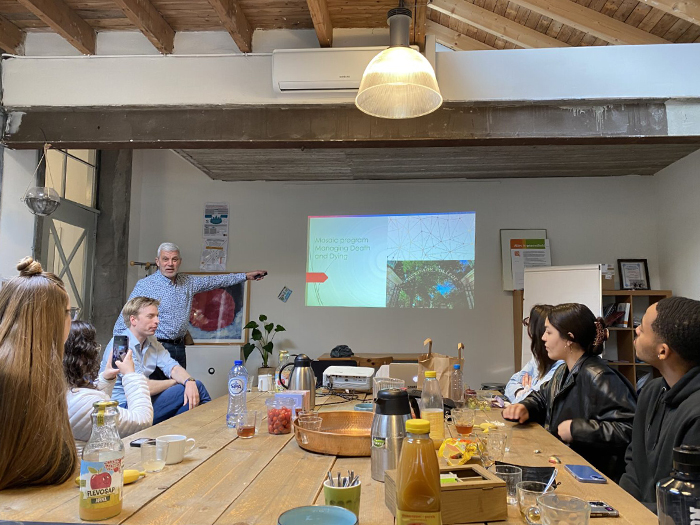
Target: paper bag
(442, 364)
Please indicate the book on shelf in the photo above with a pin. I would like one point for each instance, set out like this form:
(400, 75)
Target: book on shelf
(617, 315)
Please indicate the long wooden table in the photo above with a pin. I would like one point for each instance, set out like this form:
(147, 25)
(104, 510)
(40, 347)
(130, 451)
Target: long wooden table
(231, 481)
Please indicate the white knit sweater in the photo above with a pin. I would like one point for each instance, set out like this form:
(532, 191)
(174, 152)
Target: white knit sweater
(138, 416)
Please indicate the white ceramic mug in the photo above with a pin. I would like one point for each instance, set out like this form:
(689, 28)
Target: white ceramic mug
(264, 383)
(177, 447)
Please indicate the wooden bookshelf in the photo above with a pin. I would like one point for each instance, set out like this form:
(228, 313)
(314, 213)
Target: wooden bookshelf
(620, 346)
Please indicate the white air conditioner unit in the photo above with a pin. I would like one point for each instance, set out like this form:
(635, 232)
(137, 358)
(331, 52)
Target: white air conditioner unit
(334, 69)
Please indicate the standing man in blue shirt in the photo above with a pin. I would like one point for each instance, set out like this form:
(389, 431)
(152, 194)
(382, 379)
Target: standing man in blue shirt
(175, 293)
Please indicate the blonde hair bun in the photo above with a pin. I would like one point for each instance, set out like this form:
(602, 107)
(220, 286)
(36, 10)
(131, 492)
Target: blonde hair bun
(28, 267)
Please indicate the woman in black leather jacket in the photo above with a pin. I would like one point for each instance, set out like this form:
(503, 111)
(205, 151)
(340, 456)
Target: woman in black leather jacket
(587, 404)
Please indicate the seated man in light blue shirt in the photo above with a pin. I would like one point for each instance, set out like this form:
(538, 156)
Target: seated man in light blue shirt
(172, 396)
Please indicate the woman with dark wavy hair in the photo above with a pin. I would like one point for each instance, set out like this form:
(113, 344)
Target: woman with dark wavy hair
(587, 404)
(540, 369)
(81, 365)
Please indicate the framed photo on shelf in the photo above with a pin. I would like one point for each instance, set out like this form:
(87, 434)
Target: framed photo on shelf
(218, 316)
(634, 274)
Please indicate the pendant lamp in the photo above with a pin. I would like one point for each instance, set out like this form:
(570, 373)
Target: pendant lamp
(399, 82)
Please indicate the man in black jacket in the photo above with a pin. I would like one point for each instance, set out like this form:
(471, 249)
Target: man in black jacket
(668, 410)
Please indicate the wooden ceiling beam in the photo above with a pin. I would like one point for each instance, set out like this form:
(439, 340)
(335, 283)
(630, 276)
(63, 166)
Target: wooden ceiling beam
(322, 21)
(454, 40)
(688, 10)
(11, 36)
(146, 17)
(495, 24)
(590, 21)
(62, 19)
(234, 20)
(420, 14)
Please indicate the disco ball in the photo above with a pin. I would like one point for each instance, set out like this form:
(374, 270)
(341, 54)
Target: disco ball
(42, 201)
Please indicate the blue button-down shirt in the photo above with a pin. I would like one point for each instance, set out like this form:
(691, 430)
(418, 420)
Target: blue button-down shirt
(176, 299)
(146, 358)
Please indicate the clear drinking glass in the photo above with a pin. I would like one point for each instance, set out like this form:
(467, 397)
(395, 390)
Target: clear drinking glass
(492, 446)
(153, 455)
(557, 509)
(247, 424)
(528, 492)
(463, 419)
(512, 475)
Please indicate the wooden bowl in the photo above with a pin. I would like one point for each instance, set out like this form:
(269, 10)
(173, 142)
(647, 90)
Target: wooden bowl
(343, 433)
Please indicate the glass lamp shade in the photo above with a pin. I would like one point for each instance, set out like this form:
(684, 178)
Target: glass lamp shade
(398, 83)
(42, 201)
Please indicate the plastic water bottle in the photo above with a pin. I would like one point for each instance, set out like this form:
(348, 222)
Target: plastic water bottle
(237, 386)
(456, 386)
(433, 408)
(678, 497)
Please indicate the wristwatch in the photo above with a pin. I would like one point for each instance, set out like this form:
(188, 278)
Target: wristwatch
(189, 379)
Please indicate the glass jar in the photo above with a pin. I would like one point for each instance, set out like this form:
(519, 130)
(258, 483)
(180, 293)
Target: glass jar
(279, 415)
(101, 473)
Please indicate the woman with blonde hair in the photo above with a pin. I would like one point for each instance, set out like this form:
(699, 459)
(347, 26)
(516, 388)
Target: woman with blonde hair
(36, 442)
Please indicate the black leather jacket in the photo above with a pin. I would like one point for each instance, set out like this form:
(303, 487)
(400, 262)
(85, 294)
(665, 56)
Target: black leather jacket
(601, 404)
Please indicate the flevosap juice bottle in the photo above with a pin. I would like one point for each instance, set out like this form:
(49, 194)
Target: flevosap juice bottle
(101, 475)
(433, 409)
(418, 478)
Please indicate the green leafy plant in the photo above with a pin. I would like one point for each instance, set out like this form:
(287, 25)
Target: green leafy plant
(262, 339)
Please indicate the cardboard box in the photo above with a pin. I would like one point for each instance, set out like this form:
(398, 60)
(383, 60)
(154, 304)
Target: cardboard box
(607, 276)
(302, 398)
(479, 495)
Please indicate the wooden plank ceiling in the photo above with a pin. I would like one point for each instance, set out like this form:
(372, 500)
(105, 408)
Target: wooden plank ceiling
(459, 24)
(475, 162)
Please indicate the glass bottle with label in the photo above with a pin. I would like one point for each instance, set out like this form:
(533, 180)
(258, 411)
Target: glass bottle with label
(418, 478)
(101, 475)
(433, 409)
(678, 497)
(283, 360)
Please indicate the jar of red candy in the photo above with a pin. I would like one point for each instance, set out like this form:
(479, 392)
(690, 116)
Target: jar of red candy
(279, 415)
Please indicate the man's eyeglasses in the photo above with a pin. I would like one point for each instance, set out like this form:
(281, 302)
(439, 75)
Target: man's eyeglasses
(526, 322)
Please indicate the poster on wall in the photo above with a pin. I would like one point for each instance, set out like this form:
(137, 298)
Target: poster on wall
(527, 253)
(215, 237)
(218, 316)
(506, 265)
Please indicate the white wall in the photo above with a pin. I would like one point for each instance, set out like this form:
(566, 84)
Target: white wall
(16, 221)
(677, 206)
(589, 220)
(581, 73)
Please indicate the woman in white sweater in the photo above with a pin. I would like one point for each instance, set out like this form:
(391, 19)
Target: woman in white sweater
(81, 364)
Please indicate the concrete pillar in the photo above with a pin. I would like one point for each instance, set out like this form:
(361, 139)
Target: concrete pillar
(112, 241)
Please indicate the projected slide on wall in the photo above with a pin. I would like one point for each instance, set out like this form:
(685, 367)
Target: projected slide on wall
(391, 261)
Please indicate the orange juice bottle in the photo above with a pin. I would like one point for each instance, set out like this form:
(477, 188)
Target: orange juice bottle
(101, 475)
(418, 478)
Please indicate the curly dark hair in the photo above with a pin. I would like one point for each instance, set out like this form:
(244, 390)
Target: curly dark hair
(81, 360)
(678, 325)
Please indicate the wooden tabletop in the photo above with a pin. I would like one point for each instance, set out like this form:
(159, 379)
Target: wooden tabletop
(226, 480)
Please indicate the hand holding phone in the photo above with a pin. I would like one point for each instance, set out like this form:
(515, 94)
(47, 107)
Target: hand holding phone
(119, 349)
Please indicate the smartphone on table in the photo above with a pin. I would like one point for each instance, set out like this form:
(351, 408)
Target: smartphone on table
(140, 441)
(119, 349)
(600, 509)
(585, 474)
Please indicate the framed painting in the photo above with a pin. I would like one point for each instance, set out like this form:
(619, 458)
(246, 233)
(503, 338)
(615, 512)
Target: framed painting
(218, 316)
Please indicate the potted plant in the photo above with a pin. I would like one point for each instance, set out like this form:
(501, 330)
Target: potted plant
(262, 340)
